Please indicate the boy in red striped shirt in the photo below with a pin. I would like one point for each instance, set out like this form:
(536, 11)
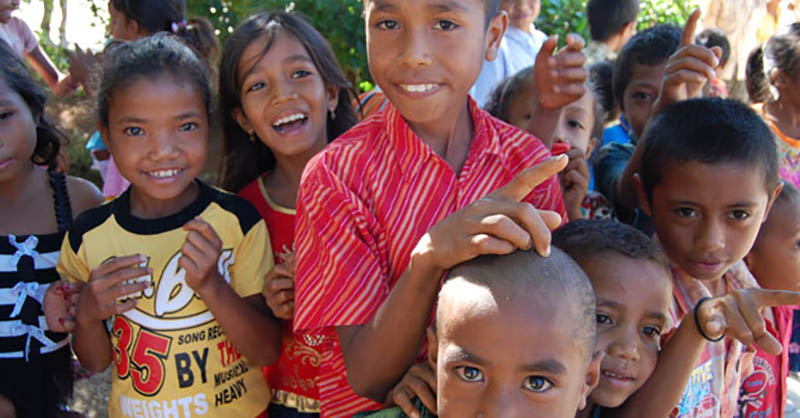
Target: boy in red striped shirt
(388, 207)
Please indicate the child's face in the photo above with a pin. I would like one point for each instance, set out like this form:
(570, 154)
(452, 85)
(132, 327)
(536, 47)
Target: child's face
(504, 355)
(633, 299)
(707, 216)
(284, 98)
(157, 134)
(120, 27)
(521, 13)
(576, 124)
(17, 133)
(639, 95)
(6, 8)
(521, 106)
(426, 55)
(775, 258)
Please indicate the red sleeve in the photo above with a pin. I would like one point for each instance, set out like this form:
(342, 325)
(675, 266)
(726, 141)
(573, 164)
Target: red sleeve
(342, 269)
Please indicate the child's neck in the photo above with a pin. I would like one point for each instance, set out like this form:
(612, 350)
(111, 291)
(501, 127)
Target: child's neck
(146, 207)
(786, 116)
(451, 140)
(17, 189)
(283, 182)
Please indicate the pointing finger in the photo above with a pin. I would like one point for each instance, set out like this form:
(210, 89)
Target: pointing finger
(524, 183)
(691, 27)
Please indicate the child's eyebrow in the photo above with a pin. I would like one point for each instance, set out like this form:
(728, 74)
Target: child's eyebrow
(658, 316)
(550, 366)
(383, 6)
(298, 57)
(448, 6)
(187, 115)
(462, 355)
(130, 119)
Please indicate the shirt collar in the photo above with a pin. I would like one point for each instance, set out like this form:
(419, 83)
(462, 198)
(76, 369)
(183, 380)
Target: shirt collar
(412, 152)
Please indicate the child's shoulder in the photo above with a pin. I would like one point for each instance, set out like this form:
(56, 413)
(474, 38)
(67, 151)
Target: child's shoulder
(236, 206)
(83, 194)
(514, 144)
(87, 221)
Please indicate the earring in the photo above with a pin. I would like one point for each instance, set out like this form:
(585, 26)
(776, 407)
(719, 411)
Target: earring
(252, 137)
(333, 114)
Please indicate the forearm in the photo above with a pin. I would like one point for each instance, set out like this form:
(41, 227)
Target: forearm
(393, 337)
(666, 385)
(544, 123)
(246, 322)
(64, 86)
(92, 345)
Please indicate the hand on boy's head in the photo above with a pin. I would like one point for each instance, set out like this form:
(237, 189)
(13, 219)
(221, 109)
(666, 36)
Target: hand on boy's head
(561, 78)
(279, 290)
(497, 224)
(419, 382)
(59, 305)
(738, 316)
(200, 254)
(575, 182)
(688, 70)
(107, 284)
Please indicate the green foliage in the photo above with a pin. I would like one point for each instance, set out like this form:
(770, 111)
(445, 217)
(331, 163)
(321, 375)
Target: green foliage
(562, 17)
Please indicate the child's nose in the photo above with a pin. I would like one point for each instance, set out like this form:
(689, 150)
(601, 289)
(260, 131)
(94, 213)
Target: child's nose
(415, 51)
(625, 346)
(711, 236)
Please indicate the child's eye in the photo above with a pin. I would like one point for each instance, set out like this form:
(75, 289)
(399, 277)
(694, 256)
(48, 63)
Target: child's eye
(188, 127)
(445, 25)
(387, 24)
(574, 124)
(797, 245)
(469, 374)
(134, 131)
(642, 96)
(5, 115)
(256, 87)
(536, 384)
(301, 74)
(651, 332)
(603, 319)
(739, 215)
(685, 212)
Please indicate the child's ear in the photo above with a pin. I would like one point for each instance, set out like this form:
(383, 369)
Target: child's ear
(590, 148)
(496, 31)
(433, 348)
(333, 97)
(592, 378)
(772, 200)
(644, 202)
(104, 134)
(242, 120)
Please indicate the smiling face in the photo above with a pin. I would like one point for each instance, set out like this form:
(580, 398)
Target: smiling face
(522, 13)
(577, 123)
(633, 299)
(639, 95)
(775, 258)
(157, 134)
(7, 7)
(497, 353)
(285, 101)
(426, 55)
(707, 216)
(17, 133)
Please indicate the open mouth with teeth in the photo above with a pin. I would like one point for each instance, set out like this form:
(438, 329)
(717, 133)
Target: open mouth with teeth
(164, 174)
(290, 123)
(419, 88)
(617, 376)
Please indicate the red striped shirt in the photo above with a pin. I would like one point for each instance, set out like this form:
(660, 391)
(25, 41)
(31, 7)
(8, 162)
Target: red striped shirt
(363, 205)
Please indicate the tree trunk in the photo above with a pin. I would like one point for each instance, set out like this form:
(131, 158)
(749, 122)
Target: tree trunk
(62, 29)
(48, 15)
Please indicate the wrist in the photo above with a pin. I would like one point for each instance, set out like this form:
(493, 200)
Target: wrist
(209, 287)
(422, 262)
(699, 325)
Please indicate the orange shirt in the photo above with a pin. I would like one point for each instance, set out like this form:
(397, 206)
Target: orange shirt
(363, 205)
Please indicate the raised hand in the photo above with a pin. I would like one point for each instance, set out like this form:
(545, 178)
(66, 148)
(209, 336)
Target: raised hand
(738, 315)
(60, 303)
(497, 224)
(279, 290)
(200, 255)
(561, 78)
(419, 382)
(575, 182)
(108, 283)
(687, 70)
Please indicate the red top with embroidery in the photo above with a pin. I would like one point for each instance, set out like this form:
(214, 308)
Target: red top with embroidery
(364, 203)
(293, 378)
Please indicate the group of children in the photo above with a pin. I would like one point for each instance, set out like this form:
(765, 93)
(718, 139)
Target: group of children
(405, 264)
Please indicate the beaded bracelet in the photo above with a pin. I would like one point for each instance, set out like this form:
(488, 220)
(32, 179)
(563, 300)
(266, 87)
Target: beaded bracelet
(697, 322)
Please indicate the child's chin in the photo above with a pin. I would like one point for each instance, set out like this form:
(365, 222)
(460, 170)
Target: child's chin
(608, 398)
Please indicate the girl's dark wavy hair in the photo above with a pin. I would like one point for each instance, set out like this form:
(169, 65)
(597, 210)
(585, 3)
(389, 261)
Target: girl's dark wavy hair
(16, 75)
(781, 52)
(150, 58)
(155, 16)
(244, 160)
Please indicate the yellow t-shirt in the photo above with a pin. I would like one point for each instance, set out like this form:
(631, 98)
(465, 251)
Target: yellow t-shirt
(171, 355)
